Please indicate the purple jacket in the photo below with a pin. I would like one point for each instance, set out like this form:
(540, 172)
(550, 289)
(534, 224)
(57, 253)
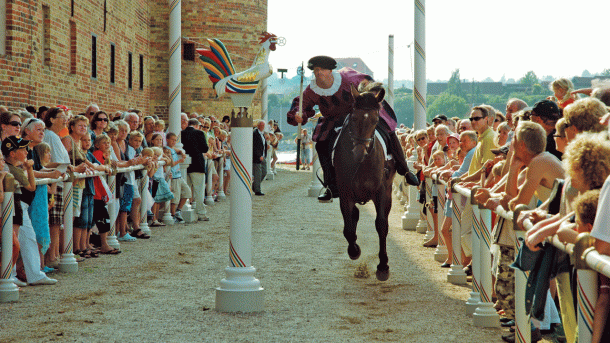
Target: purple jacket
(335, 104)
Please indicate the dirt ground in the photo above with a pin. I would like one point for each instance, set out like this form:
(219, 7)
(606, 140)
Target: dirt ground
(163, 289)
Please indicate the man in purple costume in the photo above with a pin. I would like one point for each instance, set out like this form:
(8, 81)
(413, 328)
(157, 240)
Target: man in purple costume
(330, 90)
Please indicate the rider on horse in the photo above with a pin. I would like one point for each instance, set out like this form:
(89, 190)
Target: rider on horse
(330, 90)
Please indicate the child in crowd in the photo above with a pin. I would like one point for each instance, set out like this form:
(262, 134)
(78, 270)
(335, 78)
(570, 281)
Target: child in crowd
(40, 222)
(160, 189)
(179, 186)
(160, 129)
(562, 89)
(15, 151)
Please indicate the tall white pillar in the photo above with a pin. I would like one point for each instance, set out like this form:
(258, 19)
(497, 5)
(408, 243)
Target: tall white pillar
(175, 65)
(240, 291)
(67, 263)
(420, 86)
(8, 290)
(390, 91)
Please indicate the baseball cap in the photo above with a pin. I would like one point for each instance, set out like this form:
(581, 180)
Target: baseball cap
(501, 150)
(440, 117)
(546, 109)
(12, 143)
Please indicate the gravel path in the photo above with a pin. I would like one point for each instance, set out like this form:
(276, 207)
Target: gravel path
(163, 289)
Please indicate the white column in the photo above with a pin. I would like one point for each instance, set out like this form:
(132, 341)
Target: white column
(316, 185)
(8, 290)
(485, 315)
(143, 184)
(175, 65)
(420, 86)
(221, 180)
(188, 214)
(209, 198)
(429, 221)
(390, 91)
(113, 209)
(411, 215)
(473, 214)
(240, 291)
(440, 254)
(456, 274)
(67, 263)
(587, 297)
(522, 319)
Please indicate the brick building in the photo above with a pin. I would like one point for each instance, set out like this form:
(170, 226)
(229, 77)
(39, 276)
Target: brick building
(115, 53)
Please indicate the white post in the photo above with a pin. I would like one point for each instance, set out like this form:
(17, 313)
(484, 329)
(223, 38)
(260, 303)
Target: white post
(175, 65)
(485, 315)
(456, 274)
(8, 290)
(240, 291)
(411, 215)
(420, 86)
(188, 214)
(587, 297)
(440, 254)
(429, 222)
(67, 263)
(316, 185)
(209, 198)
(471, 212)
(113, 209)
(523, 327)
(143, 184)
(390, 91)
(221, 179)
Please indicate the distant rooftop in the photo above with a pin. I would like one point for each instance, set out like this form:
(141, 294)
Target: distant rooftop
(355, 63)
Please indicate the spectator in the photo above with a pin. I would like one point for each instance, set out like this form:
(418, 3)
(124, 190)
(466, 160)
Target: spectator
(513, 106)
(179, 186)
(500, 118)
(584, 115)
(563, 92)
(502, 134)
(195, 145)
(546, 113)
(259, 167)
(10, 124)
(133, 150)
(478, 119)
(99, 124)
(439, 119)
(91, 110)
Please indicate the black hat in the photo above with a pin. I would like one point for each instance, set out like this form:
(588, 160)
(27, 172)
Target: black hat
(546, 109)
(323, 62)
(12, 143)
(440, 117)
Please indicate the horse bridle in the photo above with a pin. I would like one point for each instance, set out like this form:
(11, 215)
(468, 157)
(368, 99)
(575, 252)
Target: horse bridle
(359, 140)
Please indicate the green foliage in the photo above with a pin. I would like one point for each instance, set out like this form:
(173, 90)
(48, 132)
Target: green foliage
(606, 72)
(449, 105)
(454, 86)
(529, 79)
(403, 108)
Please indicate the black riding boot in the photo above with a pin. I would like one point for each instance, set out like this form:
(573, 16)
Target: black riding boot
(395, 149)
(324, 149)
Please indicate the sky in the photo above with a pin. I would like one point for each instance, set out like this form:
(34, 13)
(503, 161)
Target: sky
(481, 38)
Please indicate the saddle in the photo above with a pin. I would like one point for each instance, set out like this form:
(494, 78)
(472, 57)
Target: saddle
(381, 136)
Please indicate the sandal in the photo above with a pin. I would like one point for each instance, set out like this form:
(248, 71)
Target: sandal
(127, 238)
(92, 253)
(157, 223)
(111, 252)
(139, 234)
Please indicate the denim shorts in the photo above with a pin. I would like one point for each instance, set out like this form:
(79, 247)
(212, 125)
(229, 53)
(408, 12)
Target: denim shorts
(85, 220)
(127, 198)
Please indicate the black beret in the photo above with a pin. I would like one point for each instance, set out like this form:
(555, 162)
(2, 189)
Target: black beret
(324, 62)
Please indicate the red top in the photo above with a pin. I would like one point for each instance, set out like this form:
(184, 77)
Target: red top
(100, 192)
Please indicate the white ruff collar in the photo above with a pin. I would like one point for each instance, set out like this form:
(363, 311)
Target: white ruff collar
(330, 91)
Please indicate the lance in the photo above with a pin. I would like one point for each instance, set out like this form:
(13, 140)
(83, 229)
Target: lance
(301, 72)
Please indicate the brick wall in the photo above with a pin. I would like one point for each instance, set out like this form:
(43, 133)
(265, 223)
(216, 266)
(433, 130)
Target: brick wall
(48, 60)
(237, 23)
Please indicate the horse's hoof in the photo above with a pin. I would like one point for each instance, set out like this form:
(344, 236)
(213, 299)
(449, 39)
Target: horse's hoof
(353, 251)
(383, 275)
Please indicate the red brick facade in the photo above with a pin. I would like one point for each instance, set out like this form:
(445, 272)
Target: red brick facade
(49, 44)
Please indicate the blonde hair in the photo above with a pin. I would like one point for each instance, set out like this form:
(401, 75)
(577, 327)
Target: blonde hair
(147, 152)
(161, 123)
(561, 126)
(589, 153)
(157, 151)
(564, 84)
(41, 149)
(440, 153)
(584, 114)
(100, 138)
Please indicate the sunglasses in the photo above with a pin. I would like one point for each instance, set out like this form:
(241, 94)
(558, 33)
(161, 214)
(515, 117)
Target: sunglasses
(102, 119)
(15, 123)
(421, 139)
(496, 120)
(559, 136)
(475, 118)
(206, 127)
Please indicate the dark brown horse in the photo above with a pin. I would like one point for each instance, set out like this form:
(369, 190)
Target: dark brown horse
(363, 174)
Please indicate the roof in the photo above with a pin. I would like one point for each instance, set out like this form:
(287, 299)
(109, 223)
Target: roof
(355, 63)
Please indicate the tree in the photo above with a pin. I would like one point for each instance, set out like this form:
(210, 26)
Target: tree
(586, 73)
(606, 72)
(529, 79)
(449, 105)
(454, 86)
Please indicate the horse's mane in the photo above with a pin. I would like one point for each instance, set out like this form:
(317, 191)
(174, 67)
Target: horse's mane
(366, 101)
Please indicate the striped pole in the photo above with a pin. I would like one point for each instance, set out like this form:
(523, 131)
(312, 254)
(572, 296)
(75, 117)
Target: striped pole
(240, 291)
(144, 204)
(471, 214)
(440, 254)
(420, 86)
(456, 274)
(390, 91)
(485, 315)
(523, 329)
(8, 290)
(68, 263)
(587, 297)
(209, 198)
(175, 65)
(221, 179)
(411, 215)
(113, 211)
(429, 221)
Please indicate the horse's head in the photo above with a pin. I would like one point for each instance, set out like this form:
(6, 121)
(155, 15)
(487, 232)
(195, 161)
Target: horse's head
(363, 121)
(270, 39)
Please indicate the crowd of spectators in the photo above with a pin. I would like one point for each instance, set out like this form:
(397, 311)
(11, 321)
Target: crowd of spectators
(517, 157)
(54, 142)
